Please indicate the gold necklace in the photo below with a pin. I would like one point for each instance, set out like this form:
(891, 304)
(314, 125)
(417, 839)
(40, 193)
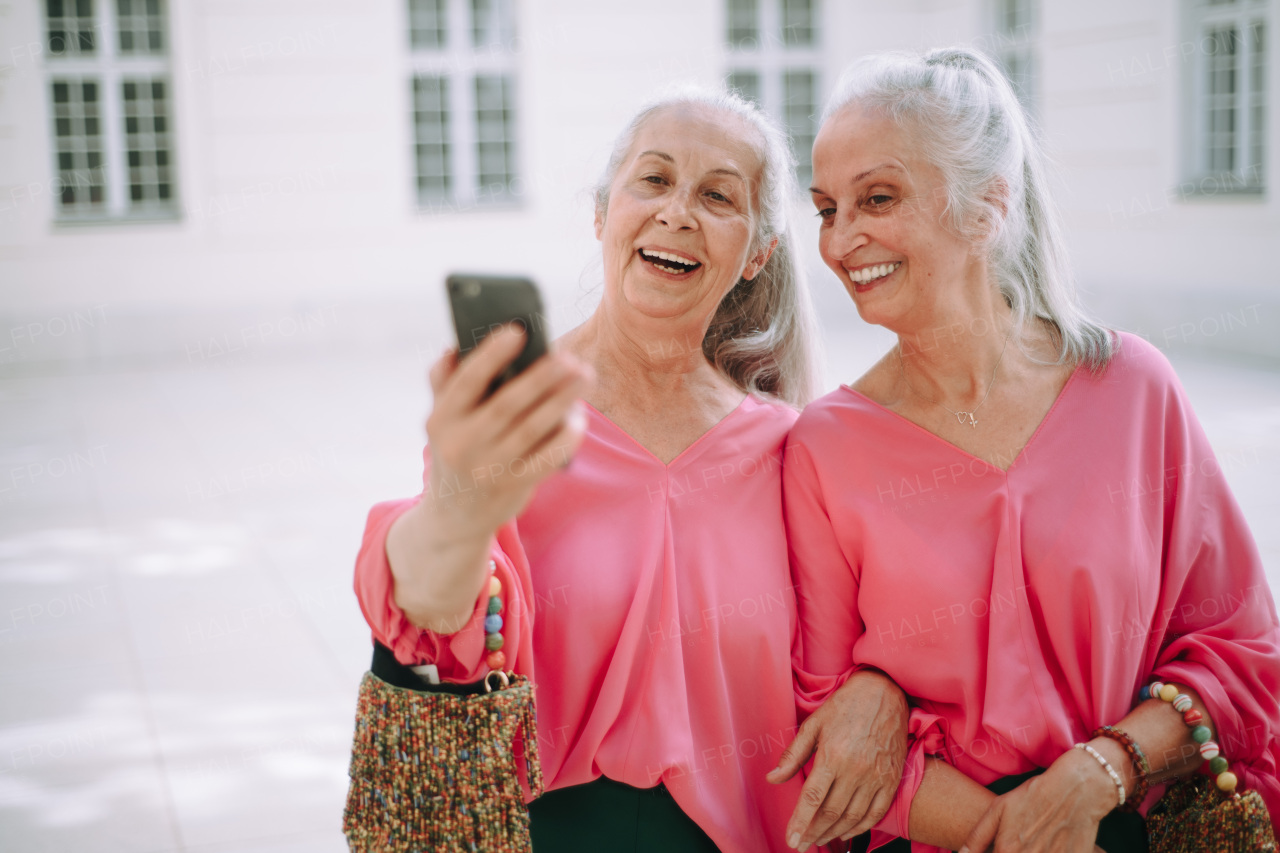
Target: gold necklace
(961, 417)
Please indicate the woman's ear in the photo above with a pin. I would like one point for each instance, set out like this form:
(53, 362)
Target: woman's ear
(753, 267)
(599, 221)
(991, 219)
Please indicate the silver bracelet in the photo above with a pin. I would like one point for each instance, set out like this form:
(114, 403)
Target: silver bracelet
(1111, 771)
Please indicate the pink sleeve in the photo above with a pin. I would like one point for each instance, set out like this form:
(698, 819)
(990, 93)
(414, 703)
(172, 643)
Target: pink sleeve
(826, 586)
(459, 656)
(1217, 619)
(924, 738)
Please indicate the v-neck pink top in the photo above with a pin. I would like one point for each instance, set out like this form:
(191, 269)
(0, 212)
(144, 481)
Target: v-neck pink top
(1020, 610)
(652, 605)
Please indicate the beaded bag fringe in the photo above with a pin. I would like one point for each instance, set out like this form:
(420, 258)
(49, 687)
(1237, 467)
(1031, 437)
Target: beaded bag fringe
(437, 772)
(1194, 817)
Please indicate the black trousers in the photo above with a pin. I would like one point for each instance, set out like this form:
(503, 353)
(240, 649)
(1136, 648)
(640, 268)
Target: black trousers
(608, 815)
(1119, 832)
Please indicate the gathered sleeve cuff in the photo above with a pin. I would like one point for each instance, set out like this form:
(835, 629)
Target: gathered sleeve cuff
(459, 656)
(924, 739)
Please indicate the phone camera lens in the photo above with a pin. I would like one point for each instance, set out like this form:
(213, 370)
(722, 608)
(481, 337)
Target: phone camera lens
(471, 289)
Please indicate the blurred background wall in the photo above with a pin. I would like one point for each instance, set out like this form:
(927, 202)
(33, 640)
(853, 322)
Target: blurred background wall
(185, 180)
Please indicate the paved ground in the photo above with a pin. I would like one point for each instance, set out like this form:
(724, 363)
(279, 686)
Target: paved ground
(179, 646)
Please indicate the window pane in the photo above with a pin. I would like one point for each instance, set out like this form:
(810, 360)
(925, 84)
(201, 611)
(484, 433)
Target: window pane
(1258, 104)
(146, 142)
(495, 136)
(492, 23)
(1220, 99)
(141, 26)
(797, 22)
(746, 84)
(78, 145)
(1013, 17)
(428, 24)
(431, 136)
(743, 24)
(71, 31)
(799, 112)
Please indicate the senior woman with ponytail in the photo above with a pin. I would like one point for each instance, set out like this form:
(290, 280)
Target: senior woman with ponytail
(646, 583)
(1014, 514)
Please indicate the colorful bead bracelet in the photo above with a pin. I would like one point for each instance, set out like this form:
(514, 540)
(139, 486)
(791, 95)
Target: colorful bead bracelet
(496, 659)
(1200, 733)
(1141, 767)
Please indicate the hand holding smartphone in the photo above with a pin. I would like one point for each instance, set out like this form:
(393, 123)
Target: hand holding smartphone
(482, 304)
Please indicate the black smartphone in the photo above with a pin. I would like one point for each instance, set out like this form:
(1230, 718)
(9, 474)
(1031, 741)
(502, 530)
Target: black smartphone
(482, 304)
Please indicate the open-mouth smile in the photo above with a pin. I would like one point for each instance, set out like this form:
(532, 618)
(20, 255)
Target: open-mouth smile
(870, 274)
(669, 262)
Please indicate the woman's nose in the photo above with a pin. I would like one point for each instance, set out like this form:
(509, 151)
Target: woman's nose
(676, 212)
(845, 236)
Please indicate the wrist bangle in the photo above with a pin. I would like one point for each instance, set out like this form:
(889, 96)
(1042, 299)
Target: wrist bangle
(1111, 771)
(1141, 767)
(1200, 733)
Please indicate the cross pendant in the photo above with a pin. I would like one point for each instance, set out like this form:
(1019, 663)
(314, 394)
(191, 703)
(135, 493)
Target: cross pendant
(973, 422)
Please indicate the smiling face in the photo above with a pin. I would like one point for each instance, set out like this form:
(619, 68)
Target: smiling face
(885, 230)
(678, 232)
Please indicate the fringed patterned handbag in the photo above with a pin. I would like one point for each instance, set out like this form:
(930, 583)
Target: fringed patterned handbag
(1195, 817)
(437, 768)
(1201, 814)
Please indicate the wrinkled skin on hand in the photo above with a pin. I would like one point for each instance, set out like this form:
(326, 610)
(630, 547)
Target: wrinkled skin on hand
(858, 742)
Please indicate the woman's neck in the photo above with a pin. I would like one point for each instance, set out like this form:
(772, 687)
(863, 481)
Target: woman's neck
(646, 361)
(954, 355)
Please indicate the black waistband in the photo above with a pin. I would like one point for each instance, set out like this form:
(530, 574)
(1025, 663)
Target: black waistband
(390, 670)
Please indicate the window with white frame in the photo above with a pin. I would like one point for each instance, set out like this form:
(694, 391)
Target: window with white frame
(107, 69)
(1014, 40)
(774, 61)
(1227, 83)
(463, 80)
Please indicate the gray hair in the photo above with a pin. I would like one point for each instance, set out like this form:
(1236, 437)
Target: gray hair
(762, 336)
(959, 106)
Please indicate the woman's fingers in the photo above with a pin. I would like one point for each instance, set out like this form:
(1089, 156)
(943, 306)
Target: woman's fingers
(474, 374)
(880, 804)
(984, 832)
(846, 803)
(796, 755)
(534, 432)
(543, 383)
(560, 445)
(443, 368)
(813, 796)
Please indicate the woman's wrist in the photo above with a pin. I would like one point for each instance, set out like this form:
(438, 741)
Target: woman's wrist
(438, 572)
(1099, 793)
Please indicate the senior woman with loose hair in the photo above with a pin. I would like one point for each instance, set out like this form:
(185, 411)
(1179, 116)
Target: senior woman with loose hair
(1014, 514)
(647, 586)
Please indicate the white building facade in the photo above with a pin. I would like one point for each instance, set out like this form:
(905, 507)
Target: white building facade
(189, 178)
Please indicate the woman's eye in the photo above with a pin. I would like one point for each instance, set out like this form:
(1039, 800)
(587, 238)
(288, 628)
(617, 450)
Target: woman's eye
(879, 200)
(654, 179)
(826, 213)
(715, 196)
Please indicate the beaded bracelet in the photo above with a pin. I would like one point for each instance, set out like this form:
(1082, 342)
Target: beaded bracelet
(1141, 767)
(1200, 733)
(1111, 771)
(496, 659)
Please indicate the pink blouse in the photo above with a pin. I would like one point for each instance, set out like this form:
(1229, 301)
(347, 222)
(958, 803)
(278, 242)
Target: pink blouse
(653, 607)
(1020, 610)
